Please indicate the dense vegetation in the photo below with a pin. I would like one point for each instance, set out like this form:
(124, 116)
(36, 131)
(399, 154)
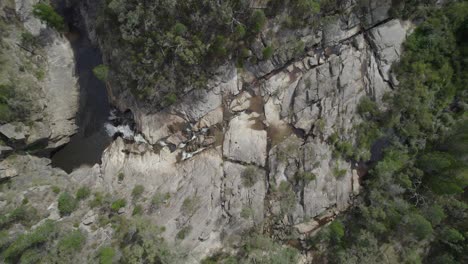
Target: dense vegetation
(414, 209)
(171, 46)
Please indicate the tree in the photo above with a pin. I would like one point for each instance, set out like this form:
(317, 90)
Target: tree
(258, 21)
(419, 226)
(47, 14)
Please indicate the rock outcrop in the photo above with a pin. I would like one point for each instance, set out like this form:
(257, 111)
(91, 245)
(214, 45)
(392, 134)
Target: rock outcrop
(49, 83)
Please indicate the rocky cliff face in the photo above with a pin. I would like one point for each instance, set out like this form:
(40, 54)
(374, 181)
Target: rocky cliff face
(251, 150)
(42, 70)
(270, 123)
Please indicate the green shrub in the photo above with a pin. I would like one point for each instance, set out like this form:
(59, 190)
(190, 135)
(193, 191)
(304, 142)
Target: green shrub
(106, 255)
(451, 235)
(25, 241)
(336, 230)
(250, 176)
(339, 173)
(267, 52)
(257, 21)
(137, 210)
(246, 212)
(159, 199)
(23, 214)
(5, 112)
(190, 205)
(97, 201)
(170, 98)
(56, 189)
(66, 204)
(182, 234)
(117, 204)
(120, 176)
(240, 31)
(31, 256)
(305, 176)
(29, 40)
(72, 242)
(83, 193)
(287, 197)
(219, 47)
(101, 72)
(179, 29)
(367, 108)
(47, 14)
(137, 191)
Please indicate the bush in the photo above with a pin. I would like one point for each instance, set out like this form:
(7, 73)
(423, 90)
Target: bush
(106, 255)
(66, 204)
(26, 215)
(249, 176)
(159, 199)
(47, 14)
(101, 72)
(246, 212)
(83, 193)
(367, 108)
(258, 21)
(267, 52)
(336, 230)
(182, 234)
(179, 29)
(339, 173)
(97, 201)
(25, 241)
(170, 98)
(137, 191)
(117, 204)
(190, 205)
(31, 256)
(137, 210)
(29, 40)
(240, 31)
(56, 189)
(305, 176)
(120, 176)
(287, 197)
(71, 242)
(219, 47)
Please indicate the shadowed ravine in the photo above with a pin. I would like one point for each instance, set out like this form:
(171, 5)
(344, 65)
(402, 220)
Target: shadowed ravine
(87, 145)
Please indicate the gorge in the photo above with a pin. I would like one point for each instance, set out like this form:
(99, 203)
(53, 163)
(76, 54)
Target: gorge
(260, 145)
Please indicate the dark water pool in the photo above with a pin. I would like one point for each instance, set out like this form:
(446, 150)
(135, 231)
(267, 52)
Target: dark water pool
(87, 145)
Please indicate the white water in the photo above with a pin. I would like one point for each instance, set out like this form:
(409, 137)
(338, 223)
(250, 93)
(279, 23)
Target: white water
(125, 130)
